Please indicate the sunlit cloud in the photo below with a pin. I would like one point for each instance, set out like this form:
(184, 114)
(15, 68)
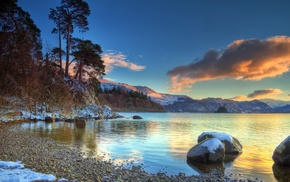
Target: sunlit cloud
(181, 84)
(259, 94)
(112, 60)
(251, 59)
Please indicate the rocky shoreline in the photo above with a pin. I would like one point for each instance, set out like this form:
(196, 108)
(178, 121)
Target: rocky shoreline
(47, 156)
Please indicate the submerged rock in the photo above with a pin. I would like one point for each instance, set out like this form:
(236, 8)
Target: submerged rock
(281, 155)
(232, 145)
(207, 151)
(137, 117)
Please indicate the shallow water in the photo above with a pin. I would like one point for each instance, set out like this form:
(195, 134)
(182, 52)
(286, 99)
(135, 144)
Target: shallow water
(160, 141)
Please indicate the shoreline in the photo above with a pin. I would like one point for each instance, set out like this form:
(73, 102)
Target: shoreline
(47, 156)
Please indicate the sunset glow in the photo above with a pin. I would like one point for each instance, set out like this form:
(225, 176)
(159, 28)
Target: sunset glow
(189, 48)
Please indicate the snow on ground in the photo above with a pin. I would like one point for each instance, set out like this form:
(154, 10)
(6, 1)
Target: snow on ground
(15, 172)
(90, 111)
(212, 145)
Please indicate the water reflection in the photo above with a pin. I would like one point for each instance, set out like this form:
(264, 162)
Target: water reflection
(281, 173)
(202, 168)
(206, 168)
(162, 140)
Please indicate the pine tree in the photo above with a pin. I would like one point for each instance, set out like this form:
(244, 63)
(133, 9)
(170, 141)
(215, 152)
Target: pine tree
(71, 14)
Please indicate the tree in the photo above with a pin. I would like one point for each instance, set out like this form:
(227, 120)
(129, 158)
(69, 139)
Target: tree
(71, 14)
(17, 25)
(20, 51)
(87, 55)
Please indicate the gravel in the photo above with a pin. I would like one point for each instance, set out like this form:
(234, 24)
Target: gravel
(45, 155)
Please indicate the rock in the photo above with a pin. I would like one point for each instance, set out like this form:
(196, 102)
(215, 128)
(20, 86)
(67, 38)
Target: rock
(80, 122)
(69, 120)
(34, 119)
(281, 155)
(232, 145)
(222, 109)
(208, 151)
(48, 119)
(137, 117)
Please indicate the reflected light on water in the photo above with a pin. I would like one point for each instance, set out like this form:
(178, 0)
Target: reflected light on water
(162, 140)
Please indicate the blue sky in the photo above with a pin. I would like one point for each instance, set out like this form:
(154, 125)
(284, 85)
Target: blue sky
(162, 44)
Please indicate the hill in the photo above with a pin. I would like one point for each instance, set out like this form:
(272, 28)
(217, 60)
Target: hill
(123, 97)
(183, 103)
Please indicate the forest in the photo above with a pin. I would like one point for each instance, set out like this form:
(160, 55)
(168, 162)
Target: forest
(31, 78)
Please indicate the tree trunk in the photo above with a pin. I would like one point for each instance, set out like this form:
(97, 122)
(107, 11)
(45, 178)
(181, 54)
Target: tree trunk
(60, 50)
(80, 71)
(67, 49)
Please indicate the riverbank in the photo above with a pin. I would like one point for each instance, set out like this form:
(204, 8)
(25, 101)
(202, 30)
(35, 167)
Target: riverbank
(47, 156)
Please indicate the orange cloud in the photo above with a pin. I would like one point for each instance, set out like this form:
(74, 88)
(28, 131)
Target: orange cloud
(181, 83)
(259, 94)
(251, 59)
(112, 60)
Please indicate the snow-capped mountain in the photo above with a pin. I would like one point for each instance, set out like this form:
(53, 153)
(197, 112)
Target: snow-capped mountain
(109, 85)
(162, 99)
(275, 103)
(183, 103)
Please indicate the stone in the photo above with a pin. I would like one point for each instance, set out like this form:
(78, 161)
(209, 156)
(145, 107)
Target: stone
(232, 145)
(208, 151)
(137, 117)
(80, 122)
(281, 155)
(69, 120)
(48, 119)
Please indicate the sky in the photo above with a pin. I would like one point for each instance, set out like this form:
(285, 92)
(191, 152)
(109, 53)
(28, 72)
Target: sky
(201, 48)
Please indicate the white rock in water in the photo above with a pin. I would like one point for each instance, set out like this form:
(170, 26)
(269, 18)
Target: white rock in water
(232, 145)
(207, 151)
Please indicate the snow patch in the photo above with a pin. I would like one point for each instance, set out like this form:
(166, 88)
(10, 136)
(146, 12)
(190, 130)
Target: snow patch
(14, 171)
(212, 145)
(218, 135)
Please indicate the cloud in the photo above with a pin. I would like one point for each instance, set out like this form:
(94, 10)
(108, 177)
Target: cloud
(112, 60)
(251, 59)
(259, 94)
(181, 84)
(264, 93)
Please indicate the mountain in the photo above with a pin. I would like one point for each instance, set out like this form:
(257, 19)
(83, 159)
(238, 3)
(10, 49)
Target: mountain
(124, 97)
(210, 105)
(275, 103)
(183, 103)
(283, 109)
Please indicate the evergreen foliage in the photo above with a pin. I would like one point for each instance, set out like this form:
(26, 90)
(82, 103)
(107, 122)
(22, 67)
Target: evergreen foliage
(69, 15)
(39, 81)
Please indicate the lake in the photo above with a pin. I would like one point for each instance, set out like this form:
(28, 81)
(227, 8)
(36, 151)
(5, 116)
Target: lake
(160, 141)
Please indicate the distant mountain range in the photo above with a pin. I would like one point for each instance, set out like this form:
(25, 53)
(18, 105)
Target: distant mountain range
(183, 103)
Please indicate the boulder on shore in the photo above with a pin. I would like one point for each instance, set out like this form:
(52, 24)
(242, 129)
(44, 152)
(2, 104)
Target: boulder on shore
(281, 155)
(48, 119)
(137, 117)
(80, 122)
(232, 145)
(207, 151)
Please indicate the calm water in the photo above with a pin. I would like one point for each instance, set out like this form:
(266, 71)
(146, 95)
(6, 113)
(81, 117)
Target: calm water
(160, 141)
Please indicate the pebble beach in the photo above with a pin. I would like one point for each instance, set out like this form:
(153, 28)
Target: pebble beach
(46, 156)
